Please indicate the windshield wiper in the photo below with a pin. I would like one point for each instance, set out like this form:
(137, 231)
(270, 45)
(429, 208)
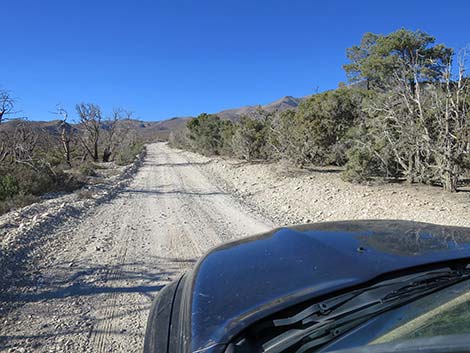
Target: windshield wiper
(323, 322)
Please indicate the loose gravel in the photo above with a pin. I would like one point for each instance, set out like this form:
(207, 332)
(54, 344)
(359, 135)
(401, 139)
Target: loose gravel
(79, 271)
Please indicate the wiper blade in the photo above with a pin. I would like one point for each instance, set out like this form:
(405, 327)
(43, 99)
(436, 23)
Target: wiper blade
(323, 322)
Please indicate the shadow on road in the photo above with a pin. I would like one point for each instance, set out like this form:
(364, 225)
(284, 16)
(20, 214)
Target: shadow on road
(174, 192)
(183, 164)
(86, 279)
(70, 286)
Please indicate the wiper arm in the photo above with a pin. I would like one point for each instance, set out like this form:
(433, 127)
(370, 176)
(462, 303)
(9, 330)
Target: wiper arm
(323, 322)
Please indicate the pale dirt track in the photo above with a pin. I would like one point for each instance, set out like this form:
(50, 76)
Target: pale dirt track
(96, 276)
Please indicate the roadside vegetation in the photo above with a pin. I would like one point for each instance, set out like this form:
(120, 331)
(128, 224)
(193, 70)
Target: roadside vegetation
(404, 115)
(36, 159)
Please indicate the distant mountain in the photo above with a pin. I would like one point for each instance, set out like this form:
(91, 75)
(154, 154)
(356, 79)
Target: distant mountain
(49, 128)
(281, 104)
(151, 130)
(287, 102)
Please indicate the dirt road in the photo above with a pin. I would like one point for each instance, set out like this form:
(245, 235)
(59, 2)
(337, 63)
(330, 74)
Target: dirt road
(95, 277)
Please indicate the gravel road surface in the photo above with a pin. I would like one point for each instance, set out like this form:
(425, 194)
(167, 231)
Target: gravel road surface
(94, 277)
(89, 282)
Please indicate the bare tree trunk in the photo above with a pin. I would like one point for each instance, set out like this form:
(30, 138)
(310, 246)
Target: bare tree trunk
(96, 156)
(106, 155)
(65, 139)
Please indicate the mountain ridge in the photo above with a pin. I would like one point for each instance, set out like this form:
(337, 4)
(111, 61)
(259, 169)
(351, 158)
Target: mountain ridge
(162, 128)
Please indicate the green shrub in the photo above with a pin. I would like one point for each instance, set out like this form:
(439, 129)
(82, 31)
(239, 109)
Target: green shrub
(8, 187)
(204, 133)
(250, 139)
(23, 185)
(361, 166)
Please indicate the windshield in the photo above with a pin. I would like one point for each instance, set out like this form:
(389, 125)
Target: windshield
(443, 313)
(417, 305)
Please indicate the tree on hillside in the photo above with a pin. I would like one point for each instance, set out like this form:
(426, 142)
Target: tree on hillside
(378, 57)
(90, 121)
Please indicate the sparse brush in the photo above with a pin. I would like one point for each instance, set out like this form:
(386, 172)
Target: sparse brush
(87, 169)
(16, 202)
(128, 154)
(85, 194)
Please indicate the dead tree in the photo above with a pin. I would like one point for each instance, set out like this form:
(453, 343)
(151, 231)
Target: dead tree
(115, 132)
(90, 121)
(4, 147)
(66, 134)
(424, 128)
(7, 104)
(110, 127)
(451, 102)
(25, 145)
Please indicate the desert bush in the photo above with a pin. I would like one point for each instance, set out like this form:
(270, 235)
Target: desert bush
(361, 166)
(179, 139)
(39, 182)
(87, 169)
(327, 117)
(250, 139)
(16, 202)
(204, 134)
(127, 154)
(405, 115)
(23, 185)
(315, 133)
(228, 130)
(209, 135)
(8, 187)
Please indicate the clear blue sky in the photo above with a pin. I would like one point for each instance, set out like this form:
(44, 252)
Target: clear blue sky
(165, 58)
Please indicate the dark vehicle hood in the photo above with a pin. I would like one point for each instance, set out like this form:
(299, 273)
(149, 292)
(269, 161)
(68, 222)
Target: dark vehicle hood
(238, 283)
